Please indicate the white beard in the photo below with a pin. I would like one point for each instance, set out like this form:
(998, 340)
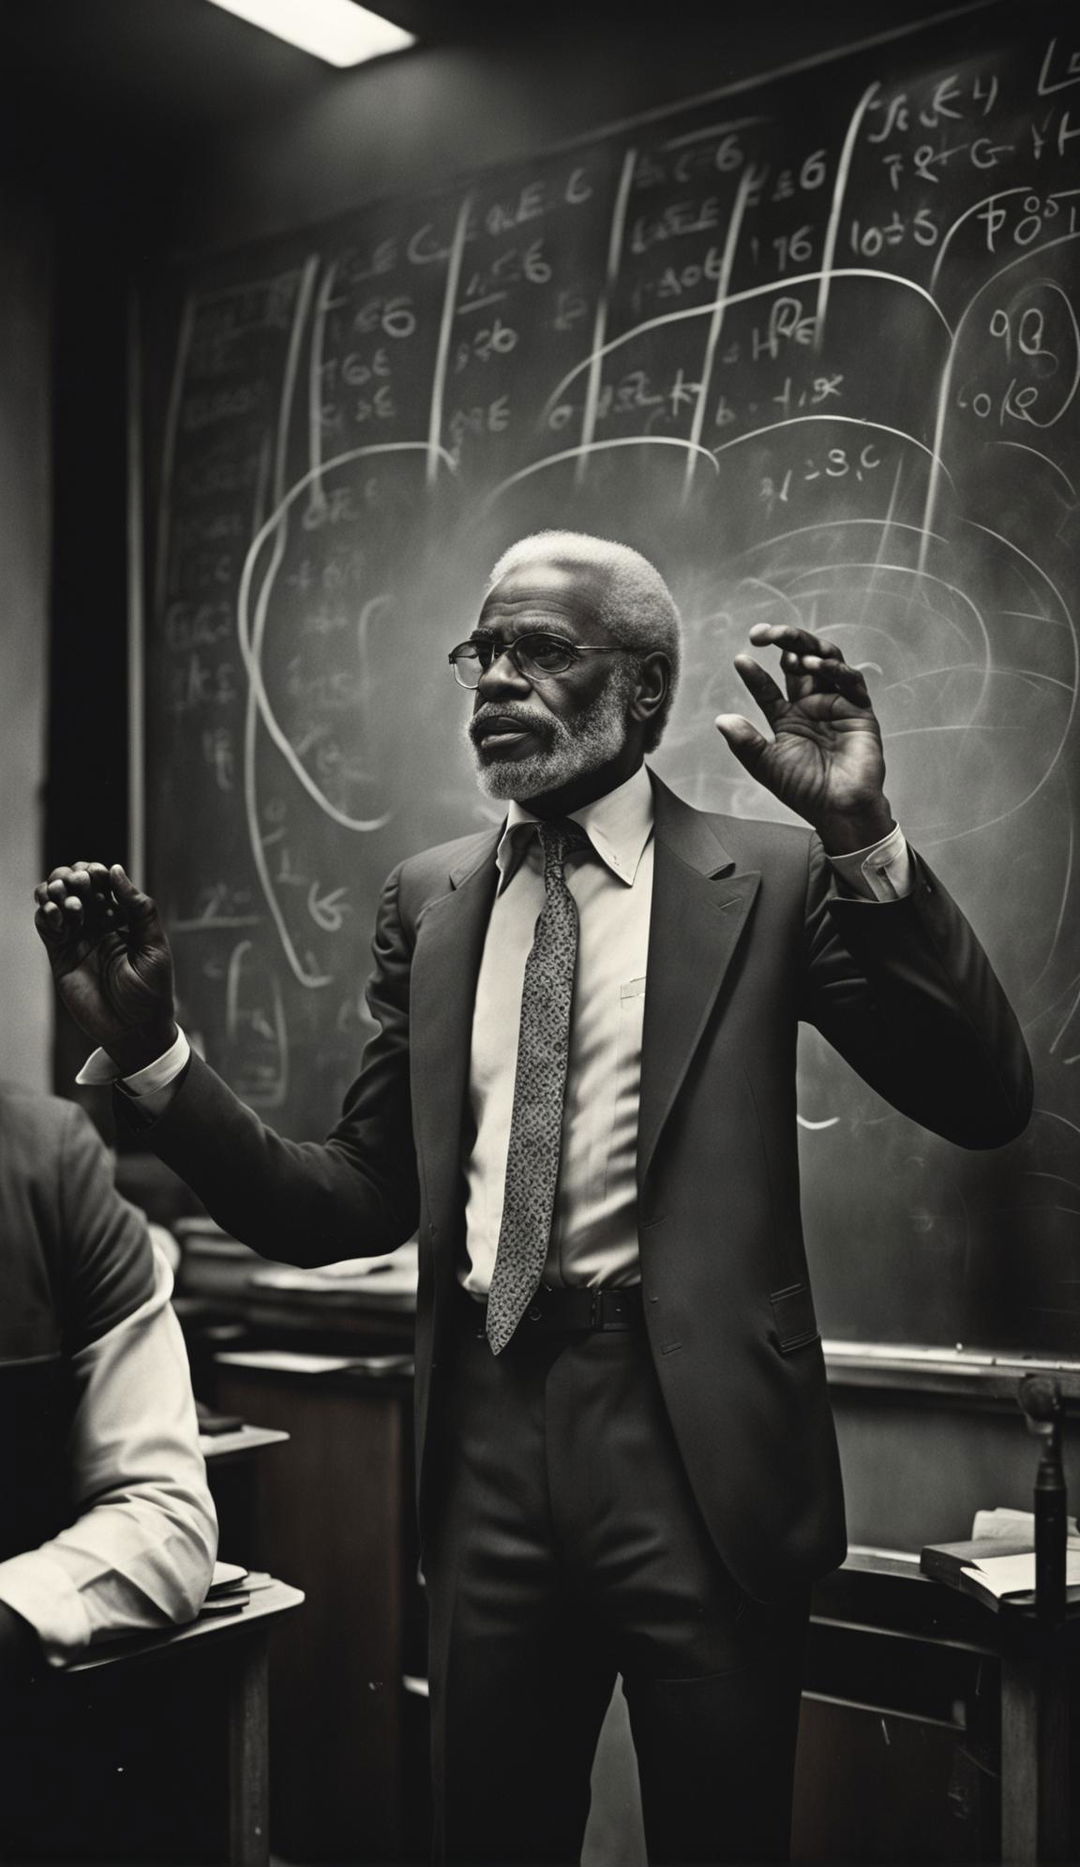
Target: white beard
(597, 735)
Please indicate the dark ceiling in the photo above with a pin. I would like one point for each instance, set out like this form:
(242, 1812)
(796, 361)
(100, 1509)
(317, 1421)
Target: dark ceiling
(184, 69)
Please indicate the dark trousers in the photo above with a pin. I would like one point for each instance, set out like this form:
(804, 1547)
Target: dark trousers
(570, 1549)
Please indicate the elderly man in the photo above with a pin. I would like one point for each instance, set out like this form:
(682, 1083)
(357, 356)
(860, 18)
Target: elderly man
(582, 1091)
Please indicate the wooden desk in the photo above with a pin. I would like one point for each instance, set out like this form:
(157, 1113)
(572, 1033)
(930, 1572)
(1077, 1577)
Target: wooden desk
(207, 1675)
(896, 1647)
(929, 1726)
(927, 1720)
(235, 1469)
(334, 1509)
(1036, 1774)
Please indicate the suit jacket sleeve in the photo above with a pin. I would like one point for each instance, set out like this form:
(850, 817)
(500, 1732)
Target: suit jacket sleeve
(905, 992)
(139, 1550)
(305, 1202)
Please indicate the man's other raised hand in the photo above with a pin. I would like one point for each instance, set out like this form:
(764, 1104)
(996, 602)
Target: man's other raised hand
(824, 759)
(110, 959)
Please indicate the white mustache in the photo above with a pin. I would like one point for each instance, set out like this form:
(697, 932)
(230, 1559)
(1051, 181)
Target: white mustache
(513, 712)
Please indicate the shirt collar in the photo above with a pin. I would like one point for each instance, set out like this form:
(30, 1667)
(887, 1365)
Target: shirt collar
(618, 826)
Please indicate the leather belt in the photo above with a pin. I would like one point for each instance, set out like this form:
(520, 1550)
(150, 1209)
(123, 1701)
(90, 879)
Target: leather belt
(577, 1309)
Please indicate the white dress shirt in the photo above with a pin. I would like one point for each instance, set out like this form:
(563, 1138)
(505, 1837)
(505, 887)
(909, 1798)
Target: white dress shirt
(141, 1552)
(594, 1225)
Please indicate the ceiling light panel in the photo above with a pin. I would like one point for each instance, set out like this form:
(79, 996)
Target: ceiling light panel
(335, 30)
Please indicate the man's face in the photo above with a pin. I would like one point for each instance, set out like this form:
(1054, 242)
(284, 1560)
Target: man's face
(531, 737)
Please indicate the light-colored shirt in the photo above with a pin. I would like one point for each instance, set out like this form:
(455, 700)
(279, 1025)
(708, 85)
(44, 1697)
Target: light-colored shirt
(141, 1552)
(594, 1227)
(594, 1224)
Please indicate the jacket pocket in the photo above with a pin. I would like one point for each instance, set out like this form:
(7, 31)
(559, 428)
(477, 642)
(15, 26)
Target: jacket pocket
(793, 1314)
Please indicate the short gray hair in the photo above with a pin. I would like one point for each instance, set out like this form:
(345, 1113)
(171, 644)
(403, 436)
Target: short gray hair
(637, 608)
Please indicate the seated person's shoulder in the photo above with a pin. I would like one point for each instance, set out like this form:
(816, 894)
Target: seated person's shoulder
(41, 1124)
(63, 1209)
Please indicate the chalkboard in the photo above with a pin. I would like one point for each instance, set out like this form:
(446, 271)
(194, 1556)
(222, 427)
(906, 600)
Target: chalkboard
(812, 345)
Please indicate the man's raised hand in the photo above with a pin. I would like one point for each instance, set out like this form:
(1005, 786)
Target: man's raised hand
(824, 759)
(110, 959)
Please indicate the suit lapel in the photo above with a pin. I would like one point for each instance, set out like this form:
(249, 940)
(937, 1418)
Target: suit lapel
(449, 945)
(700, 906)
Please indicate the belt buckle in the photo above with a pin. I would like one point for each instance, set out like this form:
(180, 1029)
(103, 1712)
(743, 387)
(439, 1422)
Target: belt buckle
(613, 1314)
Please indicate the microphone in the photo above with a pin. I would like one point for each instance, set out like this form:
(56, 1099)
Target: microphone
(1039, 1396)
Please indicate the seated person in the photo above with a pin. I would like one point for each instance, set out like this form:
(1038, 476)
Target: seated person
(106, 1522)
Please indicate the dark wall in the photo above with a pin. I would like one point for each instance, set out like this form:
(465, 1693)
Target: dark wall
(24, 532)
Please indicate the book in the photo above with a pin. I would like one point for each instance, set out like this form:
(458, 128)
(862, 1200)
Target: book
(991, 1568)
(231, 1587)
(226, 1576)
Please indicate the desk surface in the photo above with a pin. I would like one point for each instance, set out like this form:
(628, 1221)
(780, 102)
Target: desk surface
(279, 1598)
(885, 1591)
(244, 1439)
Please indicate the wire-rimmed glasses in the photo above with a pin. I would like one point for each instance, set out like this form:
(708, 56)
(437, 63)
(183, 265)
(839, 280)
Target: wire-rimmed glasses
(538, 655)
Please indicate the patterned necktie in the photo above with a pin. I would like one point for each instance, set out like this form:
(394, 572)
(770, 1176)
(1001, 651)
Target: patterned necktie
(532, 1157)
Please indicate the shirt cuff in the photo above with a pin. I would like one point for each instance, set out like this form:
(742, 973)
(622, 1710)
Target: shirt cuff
(882, 872)
(100, 1068)
(44, 1594)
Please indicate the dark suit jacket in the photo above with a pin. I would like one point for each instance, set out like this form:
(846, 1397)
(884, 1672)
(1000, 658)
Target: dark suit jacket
(74, 1261)
(747, 938)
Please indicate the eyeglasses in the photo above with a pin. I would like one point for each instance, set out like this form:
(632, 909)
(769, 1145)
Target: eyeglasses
(538, 655)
